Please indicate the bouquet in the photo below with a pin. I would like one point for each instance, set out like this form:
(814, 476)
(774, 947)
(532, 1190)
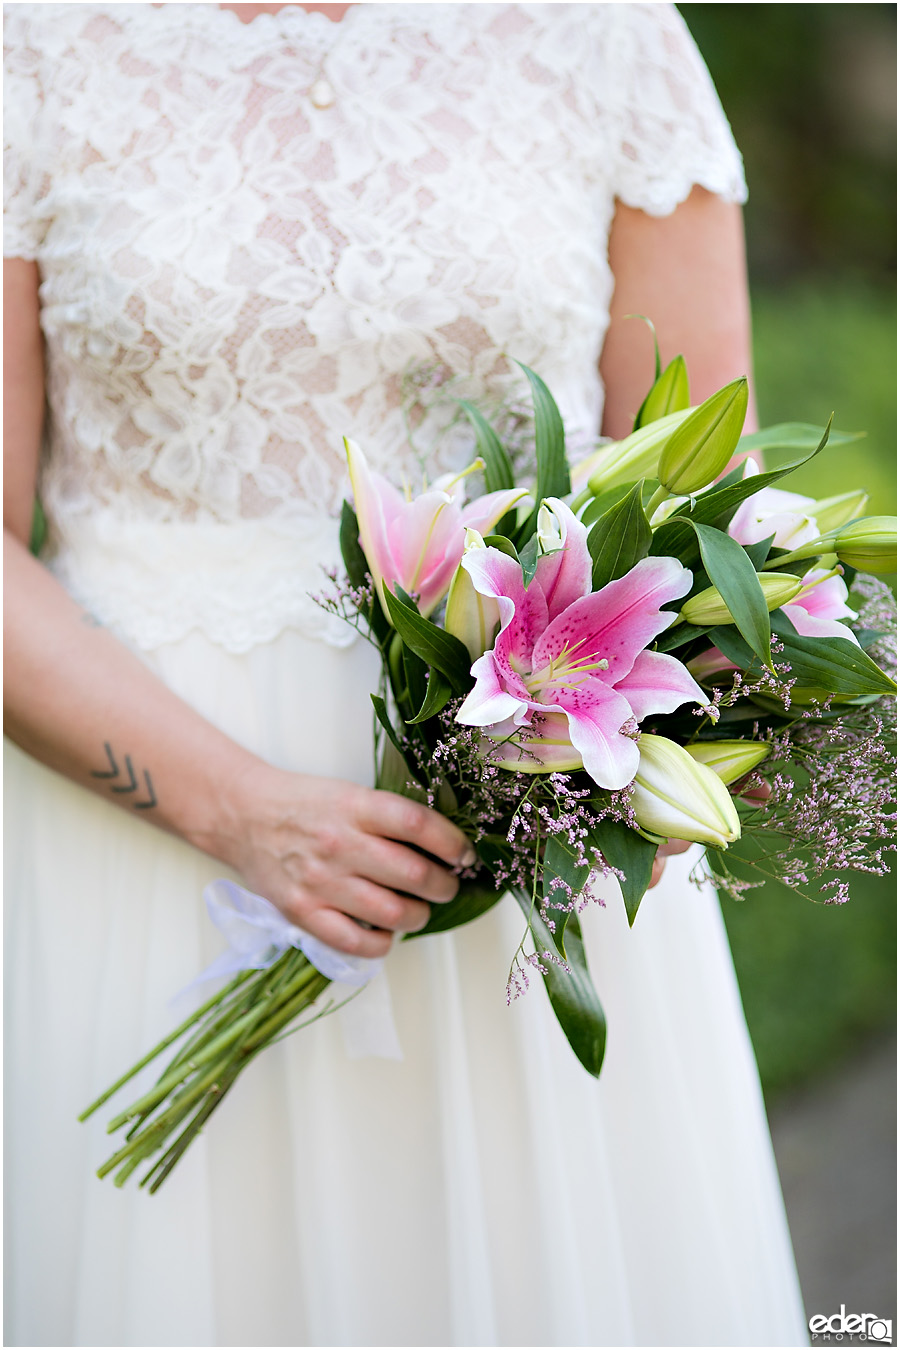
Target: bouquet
(574, 670)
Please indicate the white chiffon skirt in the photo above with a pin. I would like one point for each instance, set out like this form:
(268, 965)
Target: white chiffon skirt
(482, 1190)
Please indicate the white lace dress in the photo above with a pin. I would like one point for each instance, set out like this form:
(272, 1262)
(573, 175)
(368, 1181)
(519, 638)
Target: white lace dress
(232, 279)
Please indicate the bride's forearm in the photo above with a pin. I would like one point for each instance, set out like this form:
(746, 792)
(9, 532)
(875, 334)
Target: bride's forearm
(80, 702)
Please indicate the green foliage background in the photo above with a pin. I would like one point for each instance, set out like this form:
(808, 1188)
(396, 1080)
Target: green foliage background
(810, 93)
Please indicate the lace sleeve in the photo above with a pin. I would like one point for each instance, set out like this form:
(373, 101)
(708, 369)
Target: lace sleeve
(25, 184)
(671, 131)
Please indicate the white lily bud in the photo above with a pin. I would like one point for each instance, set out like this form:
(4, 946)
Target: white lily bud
(708, 607)
(678, 798)
(471, 617)
(729, 760)
(549, 532)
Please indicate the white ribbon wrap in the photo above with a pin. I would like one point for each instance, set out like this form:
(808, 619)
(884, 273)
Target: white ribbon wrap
(257, 934)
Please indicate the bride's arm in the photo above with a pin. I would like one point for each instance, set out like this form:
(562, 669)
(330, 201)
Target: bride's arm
(686, 272)
(79, 701)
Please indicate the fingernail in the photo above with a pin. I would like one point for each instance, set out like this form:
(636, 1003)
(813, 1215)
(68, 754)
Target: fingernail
(469, 858)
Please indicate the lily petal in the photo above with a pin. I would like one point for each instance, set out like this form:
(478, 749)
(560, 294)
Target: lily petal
(426, 541)
(483, 513)
(825, 598)
(490, 701)
(543, 746)
(658, 683)
(376, 501)
(618, 621)
(808, 625)
(595, 721)
(565, 575)
(498, 576)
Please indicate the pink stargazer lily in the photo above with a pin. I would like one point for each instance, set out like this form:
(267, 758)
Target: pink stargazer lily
(790, 517)
(570, 664)
(815, 611)
(417, 542)
(786, 515)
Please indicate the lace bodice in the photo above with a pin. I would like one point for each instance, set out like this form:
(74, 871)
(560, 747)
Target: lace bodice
(234, 278)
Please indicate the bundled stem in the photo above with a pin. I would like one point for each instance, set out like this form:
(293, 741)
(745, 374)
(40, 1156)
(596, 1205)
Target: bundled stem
(248, 1014)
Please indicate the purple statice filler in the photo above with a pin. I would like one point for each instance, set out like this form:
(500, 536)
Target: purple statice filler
(831, 776)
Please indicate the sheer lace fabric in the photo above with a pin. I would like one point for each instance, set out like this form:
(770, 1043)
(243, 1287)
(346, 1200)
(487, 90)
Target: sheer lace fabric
(233, 279)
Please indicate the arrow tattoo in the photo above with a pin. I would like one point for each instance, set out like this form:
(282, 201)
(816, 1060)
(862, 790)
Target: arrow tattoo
(132, 785)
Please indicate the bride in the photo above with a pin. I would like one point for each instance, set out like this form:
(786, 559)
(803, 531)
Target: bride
(232, 232)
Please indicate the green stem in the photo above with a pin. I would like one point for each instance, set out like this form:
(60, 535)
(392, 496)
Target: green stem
(243, 1026)
(164, 1165)
(144, 1142)
(164, 1044)
(816, 548)
(223, 1072)
(660, 495)
(285, 1013)
(265, 985)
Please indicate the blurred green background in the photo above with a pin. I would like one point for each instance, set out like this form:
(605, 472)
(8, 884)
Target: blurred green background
(810, 91)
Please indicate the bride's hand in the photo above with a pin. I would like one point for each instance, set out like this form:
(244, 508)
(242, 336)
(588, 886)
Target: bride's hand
(328, 853)
(667, 850)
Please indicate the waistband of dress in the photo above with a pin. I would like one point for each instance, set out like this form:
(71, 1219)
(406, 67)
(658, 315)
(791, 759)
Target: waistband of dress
(240, 584)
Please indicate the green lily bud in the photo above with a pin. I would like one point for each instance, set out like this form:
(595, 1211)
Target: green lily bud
(870, 544)
(699, 450)
(628, 460)
(678, 798)
(471, 617)
(709, 608)
(730, 760)
(830, 513)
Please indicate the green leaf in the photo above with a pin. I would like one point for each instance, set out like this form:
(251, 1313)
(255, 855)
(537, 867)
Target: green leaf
(757, 553)
(357, 569)
(550, 448)
(505, 545)
(678, 636)
(381, 713)
(573, 997)
(829, 663)
(631, 853)
(437, 696)
(435, 646)
(734, 576)
(355, 563)
(598, 506)
(529, 559)
(473, 899)
(498, 471)
(866, 636)
(669, 394)
(619, 539)
(798, 437)
(820, 663)
(718, 505)
(559, 863)
(731, 644)
(38, 535)
(657, 363)
(415, 673)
